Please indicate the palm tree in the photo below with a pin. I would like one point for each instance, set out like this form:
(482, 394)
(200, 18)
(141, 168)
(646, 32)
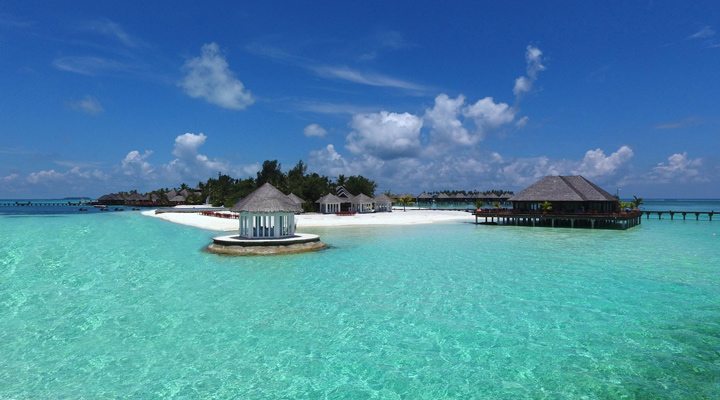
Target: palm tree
(636, 202)
(405, 200)
(478, 204)
(546, 207)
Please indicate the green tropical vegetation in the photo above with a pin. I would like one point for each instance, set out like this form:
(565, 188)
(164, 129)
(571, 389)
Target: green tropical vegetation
(226, 190)
(546, 206)
(405, 200)
(636, 202)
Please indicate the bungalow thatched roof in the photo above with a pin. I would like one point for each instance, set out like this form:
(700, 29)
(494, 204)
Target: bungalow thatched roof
(383, 199)
(266, 198)
(443, 196)
(563, 188)
(362, 198)
(424, 196)
(295, 198)
(135, 197)
(329, 199)
(177, 199)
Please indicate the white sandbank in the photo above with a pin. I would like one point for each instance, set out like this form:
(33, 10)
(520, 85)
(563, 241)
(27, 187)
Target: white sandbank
(397, 217)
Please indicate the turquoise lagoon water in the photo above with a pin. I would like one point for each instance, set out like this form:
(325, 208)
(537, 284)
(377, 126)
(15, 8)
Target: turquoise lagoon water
(120, 305)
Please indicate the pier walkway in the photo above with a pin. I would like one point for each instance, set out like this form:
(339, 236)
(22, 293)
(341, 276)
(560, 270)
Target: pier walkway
(684, 214)
(621, 220)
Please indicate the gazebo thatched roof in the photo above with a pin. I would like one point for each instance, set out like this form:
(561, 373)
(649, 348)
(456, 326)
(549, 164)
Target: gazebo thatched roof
(563, 188)
(362, 198)
(296, 199)
(329, 199)
(266, 199)
(383, 199)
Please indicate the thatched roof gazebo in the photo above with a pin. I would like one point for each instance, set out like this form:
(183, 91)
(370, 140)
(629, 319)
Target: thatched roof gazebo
(383, 203)
(296, 199)
(267, 213)
(267, 226)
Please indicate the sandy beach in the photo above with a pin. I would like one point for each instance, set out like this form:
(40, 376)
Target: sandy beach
(397, 217)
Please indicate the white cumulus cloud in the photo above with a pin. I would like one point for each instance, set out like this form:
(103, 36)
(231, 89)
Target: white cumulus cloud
(314, 130)
(488, 114)
(209, 77)
(596, 163)
(534, 61)
(444, 120)
(385, 135)
(136, 163)
(189, 162)
(678, 166)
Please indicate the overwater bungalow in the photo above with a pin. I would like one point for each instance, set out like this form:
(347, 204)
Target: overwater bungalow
(178, 199)
(563, 201)
(566, 194)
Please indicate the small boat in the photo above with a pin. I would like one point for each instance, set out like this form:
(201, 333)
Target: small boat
(83, 209)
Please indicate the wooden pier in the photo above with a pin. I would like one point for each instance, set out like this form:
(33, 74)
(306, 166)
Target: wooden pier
(41, 203)
(684, 214)
(620, 220)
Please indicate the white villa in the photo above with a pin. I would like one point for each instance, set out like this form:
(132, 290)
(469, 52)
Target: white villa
(329, 204)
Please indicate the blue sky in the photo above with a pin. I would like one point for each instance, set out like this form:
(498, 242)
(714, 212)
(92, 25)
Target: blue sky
(107, 96)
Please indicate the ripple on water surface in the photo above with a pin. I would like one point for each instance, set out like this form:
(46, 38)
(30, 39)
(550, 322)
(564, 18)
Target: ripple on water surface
(122, 305)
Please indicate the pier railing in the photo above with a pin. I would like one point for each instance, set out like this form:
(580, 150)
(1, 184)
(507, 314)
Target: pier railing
(684, 214)
(571, 219)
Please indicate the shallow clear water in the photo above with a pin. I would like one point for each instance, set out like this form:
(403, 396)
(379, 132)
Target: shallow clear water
(121, 305)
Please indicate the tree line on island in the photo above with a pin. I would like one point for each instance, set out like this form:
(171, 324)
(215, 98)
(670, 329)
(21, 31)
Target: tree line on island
(224, 190)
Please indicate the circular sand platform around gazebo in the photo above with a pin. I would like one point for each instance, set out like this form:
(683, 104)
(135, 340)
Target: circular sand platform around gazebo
(266, 226)
(237, 245)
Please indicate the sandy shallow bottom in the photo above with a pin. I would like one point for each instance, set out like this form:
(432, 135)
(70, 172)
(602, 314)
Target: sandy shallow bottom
(409, 217)
(231, 250)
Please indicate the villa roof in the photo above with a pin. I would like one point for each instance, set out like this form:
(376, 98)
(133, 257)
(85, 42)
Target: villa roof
(563, 188)
(329, 199)
(362, 198)
(383, 199)
(135, 197)
(342, 192)
(178, 198)
(443, 196)
(266, 198)
(425, 195)
(296, 198)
